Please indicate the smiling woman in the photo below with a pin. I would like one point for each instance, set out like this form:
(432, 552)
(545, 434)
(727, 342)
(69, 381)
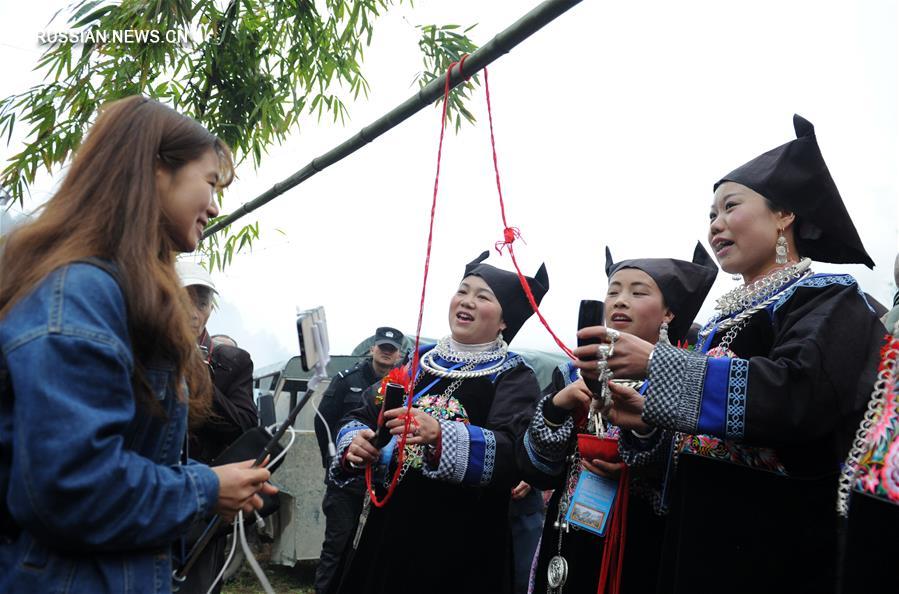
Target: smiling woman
(188, 197)
(650, 300)
(766, 406)
(472, 399)
(99, 364)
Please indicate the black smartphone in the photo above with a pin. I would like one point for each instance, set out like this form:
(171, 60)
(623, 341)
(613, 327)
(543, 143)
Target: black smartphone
(393, 398)
(591, 313)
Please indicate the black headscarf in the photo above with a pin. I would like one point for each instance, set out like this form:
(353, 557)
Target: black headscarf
(507, 288)
(794, 177)
(684, 285)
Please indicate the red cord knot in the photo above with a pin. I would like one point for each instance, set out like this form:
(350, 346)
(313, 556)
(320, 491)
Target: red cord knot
(510, 234)
(462, 65)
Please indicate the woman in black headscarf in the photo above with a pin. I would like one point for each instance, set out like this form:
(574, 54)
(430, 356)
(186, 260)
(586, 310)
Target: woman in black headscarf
(766, 409)
(653, 299)
(446, 528)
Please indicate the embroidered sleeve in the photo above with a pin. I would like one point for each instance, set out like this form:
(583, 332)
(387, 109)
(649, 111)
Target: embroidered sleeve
(696, 394)
(545, 444)
(338, 474)
(467, 454)
(637, 451)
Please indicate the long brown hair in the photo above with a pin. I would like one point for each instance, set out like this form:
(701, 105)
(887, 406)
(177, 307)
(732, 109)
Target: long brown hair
(108, 207)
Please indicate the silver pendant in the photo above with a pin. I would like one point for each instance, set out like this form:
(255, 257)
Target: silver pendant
(557, 572)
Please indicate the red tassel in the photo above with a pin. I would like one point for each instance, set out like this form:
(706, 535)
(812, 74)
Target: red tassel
(399, 375)
(613, 550)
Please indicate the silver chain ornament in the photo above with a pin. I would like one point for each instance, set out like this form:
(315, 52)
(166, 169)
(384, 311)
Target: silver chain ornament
(557, 569)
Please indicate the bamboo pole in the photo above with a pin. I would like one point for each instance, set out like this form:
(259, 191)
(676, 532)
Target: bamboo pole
(501, 44)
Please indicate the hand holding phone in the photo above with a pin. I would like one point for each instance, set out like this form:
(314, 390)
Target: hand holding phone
(394, 394)
(590, 313)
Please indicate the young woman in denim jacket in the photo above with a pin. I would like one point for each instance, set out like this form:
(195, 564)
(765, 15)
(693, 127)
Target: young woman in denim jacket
(98, 365)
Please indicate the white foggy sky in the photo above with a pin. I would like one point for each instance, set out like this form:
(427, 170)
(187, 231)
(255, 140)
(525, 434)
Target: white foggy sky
(612, 125)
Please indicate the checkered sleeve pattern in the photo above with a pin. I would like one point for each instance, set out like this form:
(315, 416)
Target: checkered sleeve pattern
(637, 451)
(454, 446)
(545, 445)
(674, 397)
(337, 474)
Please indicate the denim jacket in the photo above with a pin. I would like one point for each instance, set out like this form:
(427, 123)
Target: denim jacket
(91, 480)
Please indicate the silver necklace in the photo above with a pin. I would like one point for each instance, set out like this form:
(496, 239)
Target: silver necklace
(745, 296)
(496, 350)
(767, 289)
(443, 349)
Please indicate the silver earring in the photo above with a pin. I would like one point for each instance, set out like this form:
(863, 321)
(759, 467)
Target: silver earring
(663, 333)
(780, 251)
(737, 277)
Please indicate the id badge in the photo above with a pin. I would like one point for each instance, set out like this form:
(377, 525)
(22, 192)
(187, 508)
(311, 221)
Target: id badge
(592, 501)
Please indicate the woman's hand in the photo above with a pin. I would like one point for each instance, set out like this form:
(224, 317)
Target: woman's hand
(627, 408)
(629, 359)
(574, 395)
(361, 452)
(423, 428)
(520, 490)
(603, 468)
(239, 485)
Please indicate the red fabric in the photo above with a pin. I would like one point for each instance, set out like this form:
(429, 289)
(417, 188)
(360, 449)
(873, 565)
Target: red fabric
(613, 551)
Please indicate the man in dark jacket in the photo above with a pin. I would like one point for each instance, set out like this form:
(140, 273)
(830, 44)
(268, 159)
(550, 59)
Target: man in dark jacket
(342, 505)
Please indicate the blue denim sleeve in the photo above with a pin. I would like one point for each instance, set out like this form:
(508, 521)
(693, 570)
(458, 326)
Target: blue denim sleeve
(73, 481)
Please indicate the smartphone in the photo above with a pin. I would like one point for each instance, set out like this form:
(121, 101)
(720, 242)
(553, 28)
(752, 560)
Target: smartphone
(393, 398)
(591, 313)
(305, 332)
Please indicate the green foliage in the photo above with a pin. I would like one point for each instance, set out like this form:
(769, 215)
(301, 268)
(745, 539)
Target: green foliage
(440, 47)
(249, 70)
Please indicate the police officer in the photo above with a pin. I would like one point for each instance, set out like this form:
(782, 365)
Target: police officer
(342, 505)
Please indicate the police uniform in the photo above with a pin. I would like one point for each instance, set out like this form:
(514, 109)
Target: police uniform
(343, 395)
(342, 505)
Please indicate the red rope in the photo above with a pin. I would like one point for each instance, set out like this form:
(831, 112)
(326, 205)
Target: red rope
(401, 446)
(510, 234)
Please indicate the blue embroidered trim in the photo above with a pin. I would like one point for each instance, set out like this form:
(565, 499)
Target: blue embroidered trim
(489, 456)
(347, 431)
(512, 360)
(737, 384)
(714, 397)
(569, 373)
(545, 466)
(819, 281)
(476, 452)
